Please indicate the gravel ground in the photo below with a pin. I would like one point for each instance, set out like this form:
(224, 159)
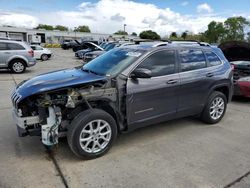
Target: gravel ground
(181, 153)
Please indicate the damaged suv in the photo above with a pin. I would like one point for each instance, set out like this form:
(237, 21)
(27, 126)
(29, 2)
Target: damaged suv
(124, 89)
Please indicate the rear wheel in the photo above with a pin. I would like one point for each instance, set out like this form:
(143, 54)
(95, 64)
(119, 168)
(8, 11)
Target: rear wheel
(215, 108)
(18, 66)
(92, 133)
(44, 57)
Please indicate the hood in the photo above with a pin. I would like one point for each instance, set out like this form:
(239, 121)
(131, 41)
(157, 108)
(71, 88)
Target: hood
(55, 80)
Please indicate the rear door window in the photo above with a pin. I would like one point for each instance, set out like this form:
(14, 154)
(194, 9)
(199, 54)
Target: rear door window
(192, 60)
(13, 46)
(3, 46)
(212, 59)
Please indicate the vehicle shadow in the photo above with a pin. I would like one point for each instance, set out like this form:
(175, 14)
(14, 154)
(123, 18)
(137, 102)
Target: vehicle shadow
(139, 136)
(6, 71)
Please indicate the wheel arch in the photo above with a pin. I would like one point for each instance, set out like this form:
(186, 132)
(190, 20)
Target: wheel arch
(110, 108)
(223, 88)
(17, 58)
(42, 55)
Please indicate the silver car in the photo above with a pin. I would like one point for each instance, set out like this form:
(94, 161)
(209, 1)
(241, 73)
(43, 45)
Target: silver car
(16, 56)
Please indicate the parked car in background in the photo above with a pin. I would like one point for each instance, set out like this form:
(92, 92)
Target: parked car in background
(124, 89)
(67, 44)
(91, 47)
(16, 56)
(41, 53)
(83, 45)
(108, 46)
(241, 78)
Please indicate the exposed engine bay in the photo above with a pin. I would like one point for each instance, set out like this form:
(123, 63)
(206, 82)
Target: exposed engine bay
(48, 114)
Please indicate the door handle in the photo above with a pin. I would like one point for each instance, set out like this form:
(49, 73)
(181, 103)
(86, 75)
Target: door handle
(7, 52)
(209, 74)
(172, 81)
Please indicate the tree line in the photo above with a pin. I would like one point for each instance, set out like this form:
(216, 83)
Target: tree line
(80, 28)
(234, 28)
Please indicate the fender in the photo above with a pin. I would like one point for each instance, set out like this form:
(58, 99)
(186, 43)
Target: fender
(16, 57)
(221, 85)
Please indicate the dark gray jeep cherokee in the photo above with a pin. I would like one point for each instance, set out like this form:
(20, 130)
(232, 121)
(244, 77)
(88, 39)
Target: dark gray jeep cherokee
(122, 90)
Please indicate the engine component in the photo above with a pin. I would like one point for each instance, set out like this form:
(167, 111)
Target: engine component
(50, 130)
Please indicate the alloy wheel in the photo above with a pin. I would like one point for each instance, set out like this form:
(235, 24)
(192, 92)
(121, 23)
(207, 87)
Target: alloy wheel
(217, 108)
(95, 136)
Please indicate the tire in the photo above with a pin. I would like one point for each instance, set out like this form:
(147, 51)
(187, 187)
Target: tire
(44, 57)
(17, 66)
(215, 108)
(81, 128)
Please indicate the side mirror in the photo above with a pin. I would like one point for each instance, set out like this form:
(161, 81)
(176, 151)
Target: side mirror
(141, 73)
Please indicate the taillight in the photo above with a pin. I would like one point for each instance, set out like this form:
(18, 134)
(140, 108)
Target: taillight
(31, 52)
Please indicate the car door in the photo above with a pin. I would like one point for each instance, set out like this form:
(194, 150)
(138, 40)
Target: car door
(4, 54)
(154, 99)
(196, 80)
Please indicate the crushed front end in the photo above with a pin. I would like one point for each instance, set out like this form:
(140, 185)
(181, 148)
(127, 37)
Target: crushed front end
(31, 118)
(49, 113)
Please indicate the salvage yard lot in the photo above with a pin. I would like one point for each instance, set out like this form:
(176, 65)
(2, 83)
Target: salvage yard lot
(179, 153)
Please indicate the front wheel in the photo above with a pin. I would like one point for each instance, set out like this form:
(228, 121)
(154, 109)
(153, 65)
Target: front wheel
(215, 108)
(44, 57)
(92, 133)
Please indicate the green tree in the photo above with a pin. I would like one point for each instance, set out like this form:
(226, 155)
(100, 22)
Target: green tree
(149, 34)
(134, 34)
(184, 35)
(82, 28)
(61, 28)
(45, 26)
(215, 32)
(173, 35)
(234, 28)
(120, 32)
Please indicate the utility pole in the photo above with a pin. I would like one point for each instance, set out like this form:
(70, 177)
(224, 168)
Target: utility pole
(124, 26)
(75, 32)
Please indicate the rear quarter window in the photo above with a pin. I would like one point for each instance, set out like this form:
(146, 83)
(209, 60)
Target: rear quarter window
(212, 59)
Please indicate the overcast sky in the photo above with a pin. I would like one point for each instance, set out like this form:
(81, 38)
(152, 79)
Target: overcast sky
(108, 16)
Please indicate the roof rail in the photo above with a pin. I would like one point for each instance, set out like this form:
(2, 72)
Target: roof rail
(191, 41)
(160, 44)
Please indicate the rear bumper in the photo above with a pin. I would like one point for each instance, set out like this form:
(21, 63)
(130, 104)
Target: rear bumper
(31, 63)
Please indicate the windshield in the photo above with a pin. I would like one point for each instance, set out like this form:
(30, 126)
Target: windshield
(110, 46)
(103, 45)
(113, 62)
